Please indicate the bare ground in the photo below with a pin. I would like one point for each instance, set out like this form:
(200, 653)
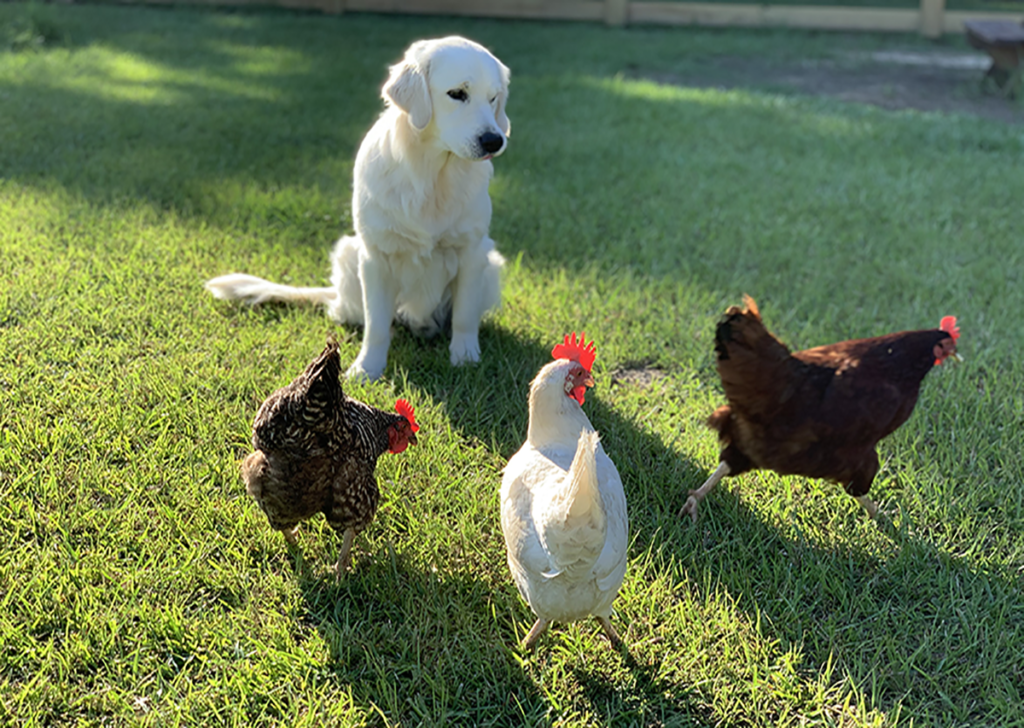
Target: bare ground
(641, 376)
(949, 82)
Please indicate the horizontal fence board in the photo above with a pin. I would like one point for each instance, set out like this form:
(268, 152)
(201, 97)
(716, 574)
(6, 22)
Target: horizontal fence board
(616, 12)
(527, 9)
(651, 12)
(792, 16)
(327, 6)
(953, 21)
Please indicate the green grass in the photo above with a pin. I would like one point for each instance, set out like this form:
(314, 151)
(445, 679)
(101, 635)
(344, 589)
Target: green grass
(145, 150)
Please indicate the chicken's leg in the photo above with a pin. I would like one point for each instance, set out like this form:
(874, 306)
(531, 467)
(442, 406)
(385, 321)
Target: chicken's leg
(345, 554)
(696, 496)
(869, 505)
(535, 632)
(610, 633)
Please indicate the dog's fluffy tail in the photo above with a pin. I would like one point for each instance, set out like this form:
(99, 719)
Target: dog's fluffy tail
(253, 290)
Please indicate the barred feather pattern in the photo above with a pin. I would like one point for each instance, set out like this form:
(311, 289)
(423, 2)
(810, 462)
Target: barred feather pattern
(316, 450)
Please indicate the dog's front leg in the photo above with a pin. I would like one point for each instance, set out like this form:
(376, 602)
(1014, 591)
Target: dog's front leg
(379, 294)
(467, 308)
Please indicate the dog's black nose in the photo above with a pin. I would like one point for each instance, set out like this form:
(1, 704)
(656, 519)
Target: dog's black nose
(491, 142)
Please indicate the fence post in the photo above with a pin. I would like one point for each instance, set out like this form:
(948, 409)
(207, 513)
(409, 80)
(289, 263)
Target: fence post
(616, 12)
(932, 18)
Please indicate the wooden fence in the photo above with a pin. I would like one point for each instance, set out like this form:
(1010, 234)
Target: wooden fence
(931, 19)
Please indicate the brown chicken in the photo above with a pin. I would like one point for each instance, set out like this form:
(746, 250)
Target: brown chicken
(820, 412)
(316, 451)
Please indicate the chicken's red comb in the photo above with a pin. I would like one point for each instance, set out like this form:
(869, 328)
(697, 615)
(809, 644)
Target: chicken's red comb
(577, 351)
(405, 409)
(948, 324)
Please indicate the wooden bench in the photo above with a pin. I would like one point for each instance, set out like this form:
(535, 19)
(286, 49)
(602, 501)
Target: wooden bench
(1003, 40)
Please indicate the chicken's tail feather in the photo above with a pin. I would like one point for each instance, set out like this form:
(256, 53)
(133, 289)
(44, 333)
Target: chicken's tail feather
(584, 496)
(323, 380)
(751, 306)
(753, 365)
(252, 290)
(578, 521)
(327, 364)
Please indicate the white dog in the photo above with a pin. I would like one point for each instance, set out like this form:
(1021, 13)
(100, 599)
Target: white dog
(421, 251)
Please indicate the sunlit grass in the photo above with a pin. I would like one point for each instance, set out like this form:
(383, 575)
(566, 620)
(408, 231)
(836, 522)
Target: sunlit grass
(114, 75)
(144, 150)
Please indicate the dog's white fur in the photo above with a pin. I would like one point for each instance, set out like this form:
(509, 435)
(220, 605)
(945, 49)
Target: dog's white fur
(421, 249)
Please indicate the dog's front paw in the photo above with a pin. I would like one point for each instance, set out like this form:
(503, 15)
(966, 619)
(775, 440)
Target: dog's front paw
(358, 370)
(465, 348)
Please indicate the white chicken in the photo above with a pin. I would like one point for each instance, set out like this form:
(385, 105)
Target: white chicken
(563, 509)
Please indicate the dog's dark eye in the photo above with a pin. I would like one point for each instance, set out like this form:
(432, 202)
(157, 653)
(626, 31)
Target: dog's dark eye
(458, 94)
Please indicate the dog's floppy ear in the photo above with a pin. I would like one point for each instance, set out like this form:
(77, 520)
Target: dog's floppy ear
(501, 117)
(406, 88)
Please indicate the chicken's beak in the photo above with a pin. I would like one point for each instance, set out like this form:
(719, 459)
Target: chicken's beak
(588, 381)
(946, 349)
(412, 438)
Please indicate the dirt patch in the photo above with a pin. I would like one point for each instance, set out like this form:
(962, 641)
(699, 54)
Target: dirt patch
(641, 377)
(936, 81)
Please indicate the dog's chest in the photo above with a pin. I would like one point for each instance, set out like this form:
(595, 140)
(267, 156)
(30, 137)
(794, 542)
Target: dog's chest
(433, 270)
(446, 208)
(452, 209)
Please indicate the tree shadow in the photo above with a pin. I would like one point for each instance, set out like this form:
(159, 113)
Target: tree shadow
(245, 122)
(183, 113)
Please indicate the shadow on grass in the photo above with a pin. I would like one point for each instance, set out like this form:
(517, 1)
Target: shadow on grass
(215, 112)
(911, 626)
(421, 644)
(440, 645)
(645, 699)
(883, 617)
(191, 112)
(183, 109)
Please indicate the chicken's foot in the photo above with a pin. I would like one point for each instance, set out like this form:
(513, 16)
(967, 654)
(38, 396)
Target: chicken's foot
(345, 554)
(535, 632)
(869, 505)
(291, 535)
(610, 633)
(696, 496)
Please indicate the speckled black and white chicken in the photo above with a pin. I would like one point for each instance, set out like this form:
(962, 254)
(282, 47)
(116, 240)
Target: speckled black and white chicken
(316, 450)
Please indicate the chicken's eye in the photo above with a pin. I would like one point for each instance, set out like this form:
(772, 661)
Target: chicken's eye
(494, 101)
(458, 94)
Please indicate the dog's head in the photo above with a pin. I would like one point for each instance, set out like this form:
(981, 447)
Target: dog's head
(459, 88)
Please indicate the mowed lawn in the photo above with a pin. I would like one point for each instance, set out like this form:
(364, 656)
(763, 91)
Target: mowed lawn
(145, 150)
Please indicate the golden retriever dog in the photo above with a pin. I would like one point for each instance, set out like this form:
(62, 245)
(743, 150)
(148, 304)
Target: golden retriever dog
(421, 253)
